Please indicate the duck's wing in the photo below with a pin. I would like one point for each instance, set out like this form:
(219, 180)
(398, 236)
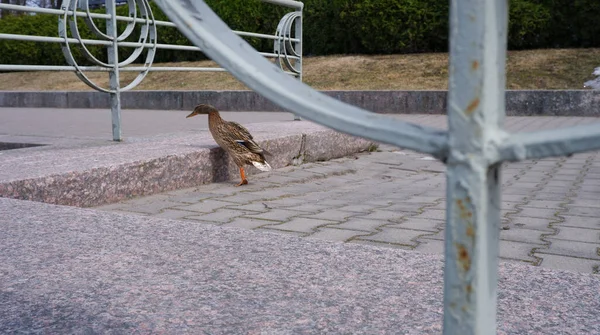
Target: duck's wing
(242, 136)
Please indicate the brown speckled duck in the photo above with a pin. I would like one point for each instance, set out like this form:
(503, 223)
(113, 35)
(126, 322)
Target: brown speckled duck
(235, 140)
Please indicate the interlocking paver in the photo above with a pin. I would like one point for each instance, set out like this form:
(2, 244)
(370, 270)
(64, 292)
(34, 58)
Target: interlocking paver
(301, 225)
(175, 214)
(246, 223)
(569, 263)
(577, 234)
(333, 215)
(568, 248)
(332, 234)
(395, 235)
(204, 206)
(275, 215)
(539, 213)
(585, 211)
(516, 251)
(542, 225)
(550, 209)
(220, 215)
(522, 235)
(430, 247)
(152, 207)
(361, 224)
(420, 224)
(579, 222)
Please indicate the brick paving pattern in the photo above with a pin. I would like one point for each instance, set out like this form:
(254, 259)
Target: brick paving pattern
(396, 198)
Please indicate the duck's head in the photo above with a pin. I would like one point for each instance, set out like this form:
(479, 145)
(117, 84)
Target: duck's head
(202, 109)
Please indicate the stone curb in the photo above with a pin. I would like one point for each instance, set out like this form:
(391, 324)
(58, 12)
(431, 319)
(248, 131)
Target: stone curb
(98, 175)
(518, 103)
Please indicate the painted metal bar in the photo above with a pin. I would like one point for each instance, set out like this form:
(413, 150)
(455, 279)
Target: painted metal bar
(8, 67)
(119, 18)
(206, 30)
(550, 143)
(32, 38)
(478, 35)
(113, 58)
(298, 48)
(287, 3)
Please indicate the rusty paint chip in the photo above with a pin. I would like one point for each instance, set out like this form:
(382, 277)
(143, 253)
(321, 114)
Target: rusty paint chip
(472, 106)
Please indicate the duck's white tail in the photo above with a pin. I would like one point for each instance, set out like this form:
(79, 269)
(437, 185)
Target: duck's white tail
(261, 166)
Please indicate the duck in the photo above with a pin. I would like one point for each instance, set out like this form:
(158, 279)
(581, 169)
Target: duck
(235, 139)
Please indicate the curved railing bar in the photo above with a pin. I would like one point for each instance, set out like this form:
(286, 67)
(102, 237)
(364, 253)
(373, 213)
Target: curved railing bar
(207, 31)
(130, 27)
(281, 45)
(85, 5)
(550, 143)
(148, 32)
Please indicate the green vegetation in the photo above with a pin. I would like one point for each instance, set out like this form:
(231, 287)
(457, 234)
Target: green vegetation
(339, 27)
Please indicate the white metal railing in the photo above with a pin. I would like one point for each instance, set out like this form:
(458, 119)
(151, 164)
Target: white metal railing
(287, 50)
(473, 148)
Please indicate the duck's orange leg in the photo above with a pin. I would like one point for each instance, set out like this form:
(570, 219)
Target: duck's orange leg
(243, 176)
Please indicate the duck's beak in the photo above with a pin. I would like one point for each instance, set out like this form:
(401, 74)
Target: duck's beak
(192, 114)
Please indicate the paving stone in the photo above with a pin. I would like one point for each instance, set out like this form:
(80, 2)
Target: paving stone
(517, 191)
(220, 215)
(543, 204)
(243, 198)
(332, 234)
(432, 214)
(568, 248)
(513, 197)
(420, 224)
(360, 208)
(568, 263)
(192, 197)
(579, 222)
(585, 211)
(440, 236)
(205, 206)
(586, 196)
(549, 196)
(539, 213)
(577, 234)
(246, 223)
(516, 251)
(332, 215)
(152, 207)
(271, 193)
(174, 214)
(522, 235)
(395, 235)
(308, 208)
(284, 203)
(275, 215)
(259, 207)
(430, 247)
(361, 224)
(542, 225)
(385, 215)
(302, 225)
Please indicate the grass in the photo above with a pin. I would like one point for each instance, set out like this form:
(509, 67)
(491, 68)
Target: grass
(530, 69)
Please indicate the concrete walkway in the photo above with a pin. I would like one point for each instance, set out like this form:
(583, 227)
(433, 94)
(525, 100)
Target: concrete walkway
(267, 258)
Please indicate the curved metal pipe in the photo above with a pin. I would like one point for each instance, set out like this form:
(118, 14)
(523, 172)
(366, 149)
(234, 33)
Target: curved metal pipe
(207, 31)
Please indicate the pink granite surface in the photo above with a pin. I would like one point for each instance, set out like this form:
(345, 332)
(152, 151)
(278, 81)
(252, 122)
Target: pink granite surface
(100, 174)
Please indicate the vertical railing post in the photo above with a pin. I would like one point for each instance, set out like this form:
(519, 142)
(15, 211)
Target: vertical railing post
(113, 59)
(478, 30)
(298, 48)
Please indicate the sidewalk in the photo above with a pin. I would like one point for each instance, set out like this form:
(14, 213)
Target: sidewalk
(351, 245)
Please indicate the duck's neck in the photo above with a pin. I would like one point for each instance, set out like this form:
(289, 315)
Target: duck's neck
(213, 119)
